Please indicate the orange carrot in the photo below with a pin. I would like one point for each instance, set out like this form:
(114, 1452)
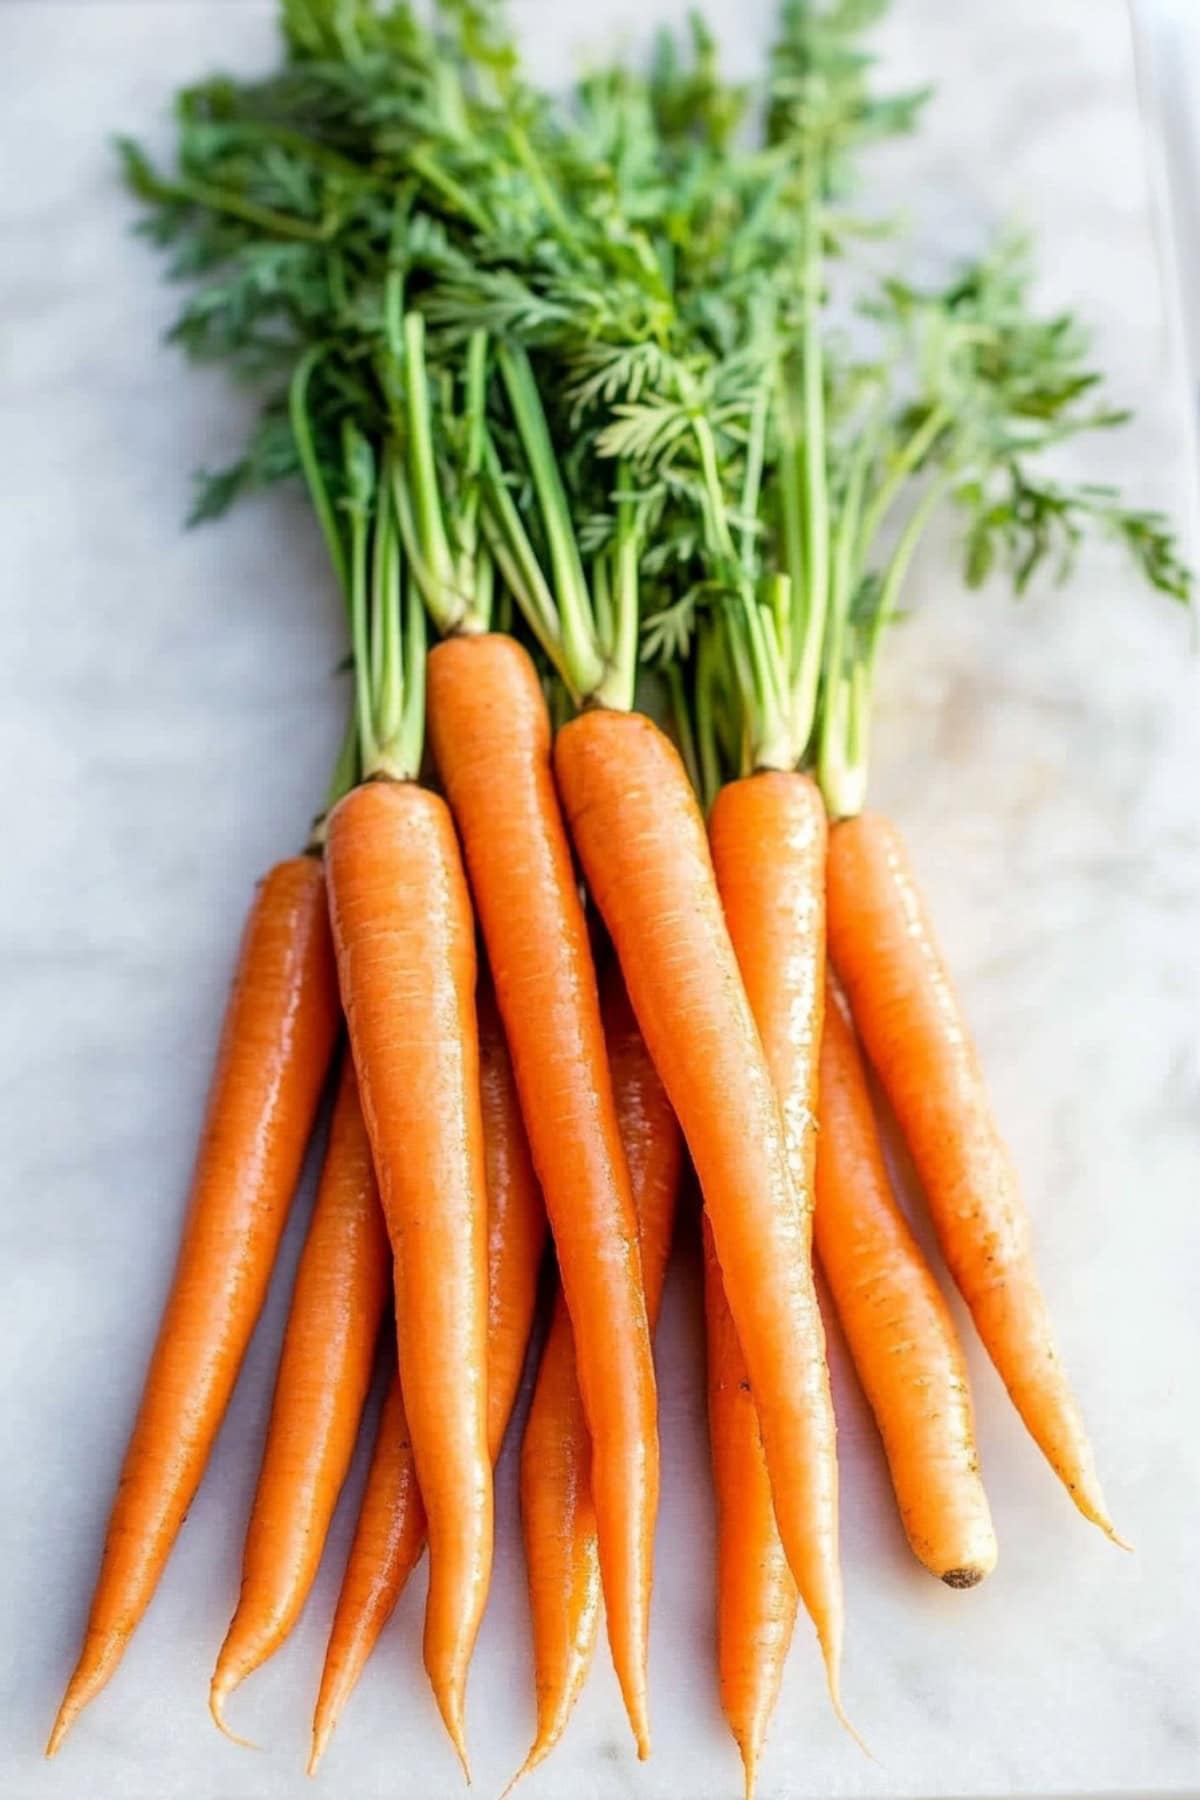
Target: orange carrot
(389, 1541)
(768, 842)
(897, 1326)
(756, 1596)
(642, 843)
(325, 1370)
(557, 1512)
(491, 736)
(278, 1037)
(405, 943)
(912, 1028)
(391, 1527)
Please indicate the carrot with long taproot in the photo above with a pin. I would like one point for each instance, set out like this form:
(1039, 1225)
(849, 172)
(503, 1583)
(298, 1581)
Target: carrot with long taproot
(756, 1595)
(325, 1367)
(642, 843)
(912, 1027)
(279, 1033)
(490, 731)
(767, 833)
(557, 1511)
(390, 1535)
(404, 935)
(897, 1326)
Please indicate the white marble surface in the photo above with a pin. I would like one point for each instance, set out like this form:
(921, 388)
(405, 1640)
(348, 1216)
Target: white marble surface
(167, 712)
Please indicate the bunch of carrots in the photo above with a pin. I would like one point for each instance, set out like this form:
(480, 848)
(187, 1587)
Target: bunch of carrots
(593, 894)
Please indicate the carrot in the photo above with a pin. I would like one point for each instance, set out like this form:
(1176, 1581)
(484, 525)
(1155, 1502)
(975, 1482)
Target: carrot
(642, 843)
(912, 1028)
(756, 1596)
(557, 1512)
(278, 1037)
(768, 843)
(491, 737)
(897, 1325)
(324, 1373)
(405, 943)
(390, 1535)
(388, 1543)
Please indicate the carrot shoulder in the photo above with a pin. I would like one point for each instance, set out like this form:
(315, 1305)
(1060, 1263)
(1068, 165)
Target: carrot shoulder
(886, 955)
(405, 940)
(491, 736)
(325, 1368)
(642, 843)
(390, 1535)
(279, 1032)
(557, 1514)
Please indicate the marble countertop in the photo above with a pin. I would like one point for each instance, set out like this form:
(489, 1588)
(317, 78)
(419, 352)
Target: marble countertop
(168, 710)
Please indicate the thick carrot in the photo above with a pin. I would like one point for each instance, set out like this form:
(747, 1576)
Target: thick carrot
(279, 1032)
(390, 1535)
(756, 1596)
(897, 1325)
(405, 943)
(913, 1030)
(642, 843)
(491, 735)
(557, 1512)
(768, 837)
(325, 1368)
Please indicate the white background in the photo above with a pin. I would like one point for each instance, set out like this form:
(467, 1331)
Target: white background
(167, 716)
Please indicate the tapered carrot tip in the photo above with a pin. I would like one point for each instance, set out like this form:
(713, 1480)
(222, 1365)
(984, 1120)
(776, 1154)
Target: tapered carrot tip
(218, 1694)
(750, 1768)
(450, 1705)
(320, 1743)
(91, 1674)
(536, 1755)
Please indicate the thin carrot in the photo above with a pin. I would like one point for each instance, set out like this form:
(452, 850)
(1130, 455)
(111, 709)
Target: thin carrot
(324, 1374)
(557, 1512)
(278, 1037)
(756, 1596)
(491, 736)
(897, 1325)
(767, 833)
(642, 843)
(405, 942)
(912, 1028)
(390, 1535)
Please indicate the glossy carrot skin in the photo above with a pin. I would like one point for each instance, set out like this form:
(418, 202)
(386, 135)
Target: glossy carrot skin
(405, 941)
(280, 1028)
(325, 1368)
(908, 1017)
(389, 1541)
(756, 1596)
(642, 843)
(897, 1326)
(390, 1535)
(491, 737)
(557, 1513)
(768, 837)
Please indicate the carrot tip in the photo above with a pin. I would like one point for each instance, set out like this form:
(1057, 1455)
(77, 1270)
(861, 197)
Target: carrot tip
(750, 1766)
(216, 1706)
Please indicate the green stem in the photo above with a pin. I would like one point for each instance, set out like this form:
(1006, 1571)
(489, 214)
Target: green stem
(752, 483)
(709, 756)
(519, 565)
(791, 502)
(618, 686)
(816, 481)
(681, 718)
(911, 456)
(356, 453)
(574, 607)
(310, 463)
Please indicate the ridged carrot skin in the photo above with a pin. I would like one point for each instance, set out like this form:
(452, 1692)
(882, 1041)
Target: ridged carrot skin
(405, 942)
(897, 1326)
(756, 1596)
(491, 737)
(768, 835)
(390, 1535)
(279, 1032)
(325, 1368)
(557, 1514)
(912, 1028)
(642, 843)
